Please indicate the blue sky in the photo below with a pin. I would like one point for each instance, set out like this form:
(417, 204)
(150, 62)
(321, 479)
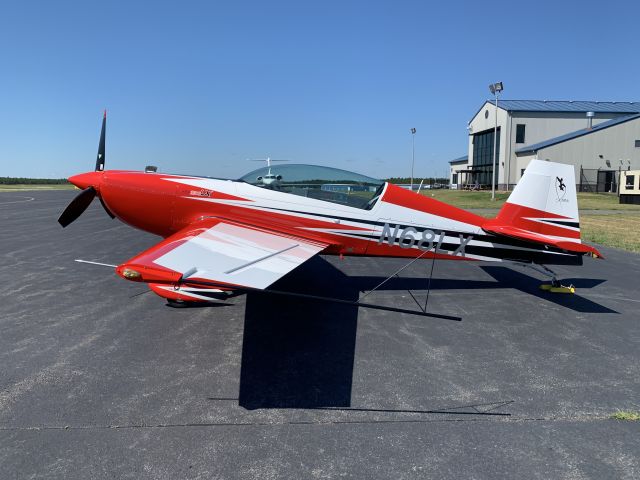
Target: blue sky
(199, 87)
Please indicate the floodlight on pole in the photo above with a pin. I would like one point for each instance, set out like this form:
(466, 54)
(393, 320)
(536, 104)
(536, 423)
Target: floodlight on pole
(495, 89)
(413, 153)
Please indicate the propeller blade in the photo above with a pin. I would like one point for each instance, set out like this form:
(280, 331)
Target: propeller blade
(101, 153)
(106, 209)
(77, 206)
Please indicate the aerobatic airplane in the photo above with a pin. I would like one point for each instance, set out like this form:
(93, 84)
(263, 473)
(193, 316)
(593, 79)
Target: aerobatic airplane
(222, 236)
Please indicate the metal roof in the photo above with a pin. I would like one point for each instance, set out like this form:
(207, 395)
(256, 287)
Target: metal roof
(567, 106)
(578, 133)
(463, 159)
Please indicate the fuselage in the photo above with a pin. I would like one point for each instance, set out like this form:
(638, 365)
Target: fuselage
(398, 223)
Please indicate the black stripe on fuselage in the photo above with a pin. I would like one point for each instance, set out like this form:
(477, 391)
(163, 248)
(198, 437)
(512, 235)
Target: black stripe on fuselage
(533, 253)
(211, 295)
(562, 223)
(451, 233)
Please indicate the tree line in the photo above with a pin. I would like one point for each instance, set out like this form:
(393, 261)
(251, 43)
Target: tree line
(426, 181)
(62, 181)
(32, 181)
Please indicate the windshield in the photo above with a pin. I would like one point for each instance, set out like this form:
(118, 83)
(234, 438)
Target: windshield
(322, 183)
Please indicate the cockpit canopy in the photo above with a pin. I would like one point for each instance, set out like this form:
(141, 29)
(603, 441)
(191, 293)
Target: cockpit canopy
(322, 183)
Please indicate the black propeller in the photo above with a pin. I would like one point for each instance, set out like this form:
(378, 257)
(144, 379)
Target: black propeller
(101, 157)
(86, 196)
(105, 208)
(77, 206)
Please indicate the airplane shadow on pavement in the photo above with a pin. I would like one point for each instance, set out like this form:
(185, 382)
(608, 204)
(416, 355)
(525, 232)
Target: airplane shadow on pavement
(299, 352)
(513, 279)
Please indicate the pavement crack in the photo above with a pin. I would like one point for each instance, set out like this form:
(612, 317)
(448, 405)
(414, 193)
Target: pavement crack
(578, 419)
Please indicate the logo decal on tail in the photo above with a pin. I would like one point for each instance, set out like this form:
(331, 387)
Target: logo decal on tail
(561, 189)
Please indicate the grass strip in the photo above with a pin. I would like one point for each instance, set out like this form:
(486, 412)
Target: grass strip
(626, 416)
(618, 230)
(26, 187)
(482, 199)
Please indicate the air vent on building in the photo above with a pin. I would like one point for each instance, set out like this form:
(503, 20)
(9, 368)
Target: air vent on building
(590, 116)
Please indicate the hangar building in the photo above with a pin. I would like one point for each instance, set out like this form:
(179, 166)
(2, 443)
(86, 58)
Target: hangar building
(596, 137)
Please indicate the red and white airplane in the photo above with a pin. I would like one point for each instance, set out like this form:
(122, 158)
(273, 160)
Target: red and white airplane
(224, 236)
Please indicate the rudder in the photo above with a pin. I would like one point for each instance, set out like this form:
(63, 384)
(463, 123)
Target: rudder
(544, 201)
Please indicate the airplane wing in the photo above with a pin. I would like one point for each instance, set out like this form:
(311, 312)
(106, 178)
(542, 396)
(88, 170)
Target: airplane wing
(222, 252)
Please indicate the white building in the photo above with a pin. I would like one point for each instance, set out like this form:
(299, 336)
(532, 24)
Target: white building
(598, 154)
(562, 131)
(459, 176)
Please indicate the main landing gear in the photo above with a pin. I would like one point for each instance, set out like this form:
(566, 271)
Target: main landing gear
(555, 286)
(176, 303)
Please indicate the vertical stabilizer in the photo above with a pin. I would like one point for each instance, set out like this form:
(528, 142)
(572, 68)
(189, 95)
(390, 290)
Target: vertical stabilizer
(543, 202)
(548, 187)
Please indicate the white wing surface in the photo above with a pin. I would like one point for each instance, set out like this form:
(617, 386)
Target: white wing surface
(225, 253)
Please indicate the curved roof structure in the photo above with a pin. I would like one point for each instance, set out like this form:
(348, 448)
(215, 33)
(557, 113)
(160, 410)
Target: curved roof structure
(301, 173)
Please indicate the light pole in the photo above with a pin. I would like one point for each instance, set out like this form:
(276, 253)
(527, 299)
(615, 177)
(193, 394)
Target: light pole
(413, 153)
(495, 89)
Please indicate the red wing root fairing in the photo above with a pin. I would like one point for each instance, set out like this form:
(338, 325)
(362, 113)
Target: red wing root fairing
(221, 236)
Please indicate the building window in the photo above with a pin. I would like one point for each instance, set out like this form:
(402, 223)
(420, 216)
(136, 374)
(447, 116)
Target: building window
(483, 157)
(454, 178)
(629, 183)
(522, 172)
(520, 132)
(637, 143)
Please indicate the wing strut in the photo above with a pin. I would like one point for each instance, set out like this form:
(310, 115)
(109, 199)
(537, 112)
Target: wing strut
(261, 259)
(395, 274)
(328, 299)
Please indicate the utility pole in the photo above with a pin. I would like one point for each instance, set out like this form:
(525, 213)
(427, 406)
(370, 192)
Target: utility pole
(495, 88)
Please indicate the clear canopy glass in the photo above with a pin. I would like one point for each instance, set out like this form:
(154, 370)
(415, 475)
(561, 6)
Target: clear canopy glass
(322, 183)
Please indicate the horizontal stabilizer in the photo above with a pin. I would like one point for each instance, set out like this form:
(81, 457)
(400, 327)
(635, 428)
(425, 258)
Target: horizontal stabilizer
(518, 233)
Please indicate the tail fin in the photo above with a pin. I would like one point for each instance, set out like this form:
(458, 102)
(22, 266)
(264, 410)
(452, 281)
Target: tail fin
(543, 208)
